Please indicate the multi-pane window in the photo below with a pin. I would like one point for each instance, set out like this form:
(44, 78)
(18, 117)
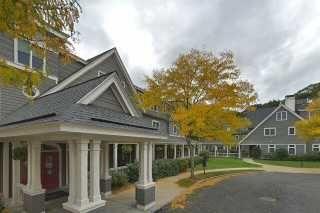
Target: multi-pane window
(26, 56)
(156, 124)
(270, 131)
(315, 147)
(291, 149)
(291, 130)
(271, 148)
(281, 116)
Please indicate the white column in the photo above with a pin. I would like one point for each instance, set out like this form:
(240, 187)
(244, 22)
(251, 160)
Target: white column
(194, 150)
(5, 170)
(143, 175)
(95, 171)
(227, 151)
(72, 171)
(215, 151)
(150, 157)
(82, 199)
(182, 152)
(137, 152)
(165, 151)
(16, 188)
(189, 152)
(106, 161)
(115, 156)
(34, 168)
(174, 151)
(239, 151)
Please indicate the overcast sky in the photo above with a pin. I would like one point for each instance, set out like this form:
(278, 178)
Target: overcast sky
(276, 43)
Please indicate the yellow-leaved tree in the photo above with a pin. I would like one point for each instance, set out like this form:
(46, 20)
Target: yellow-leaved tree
(203, 94)
(34, 21)
(309, 129)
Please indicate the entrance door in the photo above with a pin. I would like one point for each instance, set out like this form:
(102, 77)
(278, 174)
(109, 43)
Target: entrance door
(50, 170)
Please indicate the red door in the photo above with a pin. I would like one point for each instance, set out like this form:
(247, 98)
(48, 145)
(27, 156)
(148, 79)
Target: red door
(50, 170)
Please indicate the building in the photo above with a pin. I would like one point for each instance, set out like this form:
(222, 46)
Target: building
(76, 132)
(274, 128)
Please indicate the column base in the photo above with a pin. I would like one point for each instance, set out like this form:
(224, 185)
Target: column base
(91, 207)
(105, 187)
(34, 201)
(145, 196)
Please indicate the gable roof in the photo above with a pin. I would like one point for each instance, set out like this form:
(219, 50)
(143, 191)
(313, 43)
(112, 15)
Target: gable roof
(92, 63)
(268, 116)
(258, 115)
(63, 107)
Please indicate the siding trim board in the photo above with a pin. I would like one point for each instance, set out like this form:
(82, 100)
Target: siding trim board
(264, 120)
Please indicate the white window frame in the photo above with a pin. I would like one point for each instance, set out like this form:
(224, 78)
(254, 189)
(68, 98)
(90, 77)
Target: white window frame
(155, 121)
(175, 129)
(15, 56)
(275, 131)
(272, 146)
(289, 130)
(237, 137)
(293, 146)
(316, 146)
(100, 73)
(155, 108)
(281, 116)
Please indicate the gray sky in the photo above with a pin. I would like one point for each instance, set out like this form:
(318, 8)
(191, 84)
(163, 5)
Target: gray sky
(276, 43)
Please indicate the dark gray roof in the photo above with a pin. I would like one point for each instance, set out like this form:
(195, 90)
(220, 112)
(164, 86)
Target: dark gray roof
(62, 106)
(258, 115)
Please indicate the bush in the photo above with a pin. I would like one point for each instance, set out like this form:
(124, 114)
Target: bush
(197, 161)
(119, 180)
(204, 158)
(183, 165)
(165, 168)
(133, 172)
(255, 153)
(280, 154)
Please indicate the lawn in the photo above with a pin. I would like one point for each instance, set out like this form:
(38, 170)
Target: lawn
(223, 163)
(297, 164)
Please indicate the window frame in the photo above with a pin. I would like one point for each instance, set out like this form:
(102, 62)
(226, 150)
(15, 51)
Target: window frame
(272, 146)
(281, 117)
(100, 73)
(155, 121)
(294, 147)
(175, 129)
(269, 135)
(16, 56)
(314, 147)
(291, 127)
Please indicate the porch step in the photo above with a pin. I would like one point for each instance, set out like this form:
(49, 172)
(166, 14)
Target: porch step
(54, 195)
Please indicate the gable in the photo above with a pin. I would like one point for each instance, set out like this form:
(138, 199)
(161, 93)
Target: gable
(256, 136)
(110, 99)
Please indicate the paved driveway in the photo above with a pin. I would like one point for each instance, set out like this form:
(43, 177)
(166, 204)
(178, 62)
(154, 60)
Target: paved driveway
(260, 193)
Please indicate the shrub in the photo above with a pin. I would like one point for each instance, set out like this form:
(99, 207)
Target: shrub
(119, 180)
(255, 153)
(280, 154)
(133, 172)
(205, 158)
(197, 161)
(165, 168)
(183, 165)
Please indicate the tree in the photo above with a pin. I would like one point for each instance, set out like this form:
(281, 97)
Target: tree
(309, 129)
(203, 94)
(33, 21)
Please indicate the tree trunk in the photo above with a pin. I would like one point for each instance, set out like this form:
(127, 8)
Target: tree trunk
(191, 158)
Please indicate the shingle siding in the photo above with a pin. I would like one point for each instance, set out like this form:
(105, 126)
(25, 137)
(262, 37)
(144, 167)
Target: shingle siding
(282, 137)
(108, 100)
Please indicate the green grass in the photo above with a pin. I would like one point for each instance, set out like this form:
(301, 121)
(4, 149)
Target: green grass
(224, 163)
(296, 164)
(187, 182)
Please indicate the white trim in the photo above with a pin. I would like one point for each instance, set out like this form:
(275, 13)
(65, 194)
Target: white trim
(79, 73)
(100, 73)
(155, 121)
(270, 128)
(264, 120)
(274, 147)
(101, 88)
(88, 67)
(318, 147)
(289, 127)
(281, 117)
(295, 149)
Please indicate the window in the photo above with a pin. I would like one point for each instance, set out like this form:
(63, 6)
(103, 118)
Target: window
(24, 55)
(124, 84)
(281, 116)
(155, 108)
(270, 131)
(291, 149)
(156, 124)
(100, 73)
(175, 130)
(291, 130)
(315, 147)
(237, 137)
(271, 148)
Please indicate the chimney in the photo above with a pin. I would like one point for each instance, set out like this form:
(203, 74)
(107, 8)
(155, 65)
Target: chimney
(290, 102)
